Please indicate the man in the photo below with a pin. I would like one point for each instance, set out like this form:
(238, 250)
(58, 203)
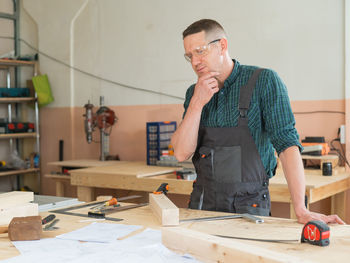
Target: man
(235, 118)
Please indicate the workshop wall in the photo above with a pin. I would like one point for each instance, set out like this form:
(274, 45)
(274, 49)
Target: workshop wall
(128, 51)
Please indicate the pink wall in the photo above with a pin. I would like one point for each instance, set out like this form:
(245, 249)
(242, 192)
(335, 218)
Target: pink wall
(128, 137)
(319, 124)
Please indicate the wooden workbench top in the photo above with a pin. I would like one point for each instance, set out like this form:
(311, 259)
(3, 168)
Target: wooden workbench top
(338, 249)
(312, 180)
(138, 169)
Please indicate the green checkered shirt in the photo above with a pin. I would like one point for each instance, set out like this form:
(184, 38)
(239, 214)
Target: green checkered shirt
(270, 117)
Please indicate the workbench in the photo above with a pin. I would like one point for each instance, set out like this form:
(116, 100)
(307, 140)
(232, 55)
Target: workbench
(123, 176)
(60, 178)
(272, 228)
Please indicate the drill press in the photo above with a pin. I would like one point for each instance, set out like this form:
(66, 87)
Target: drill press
(103, 119)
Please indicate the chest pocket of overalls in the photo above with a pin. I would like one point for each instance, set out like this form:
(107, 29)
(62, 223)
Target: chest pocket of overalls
(221, 164)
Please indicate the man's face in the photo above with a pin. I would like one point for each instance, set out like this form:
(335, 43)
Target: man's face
(211, 60)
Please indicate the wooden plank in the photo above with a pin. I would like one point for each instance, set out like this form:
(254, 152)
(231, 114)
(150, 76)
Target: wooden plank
(25, 228)
(57, 177)
(18, 135)
(141, 174)
(6, 214)
(14, 198)
(272, 228)
(215, 249)
(165, 210)
(14, 62)
(83, 163)
(95, 178)
(136, 169)
(24, 171)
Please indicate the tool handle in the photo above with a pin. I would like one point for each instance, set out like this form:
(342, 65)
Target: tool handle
(113, 201)
(51, 225)
(48, 219)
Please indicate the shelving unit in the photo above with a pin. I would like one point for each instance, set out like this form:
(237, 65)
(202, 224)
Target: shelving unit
(14, 138)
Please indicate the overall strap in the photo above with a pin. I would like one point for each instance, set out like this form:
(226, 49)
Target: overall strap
(245, 96)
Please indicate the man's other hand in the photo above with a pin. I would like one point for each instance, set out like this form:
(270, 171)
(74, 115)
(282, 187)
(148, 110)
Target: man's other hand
(307, 216)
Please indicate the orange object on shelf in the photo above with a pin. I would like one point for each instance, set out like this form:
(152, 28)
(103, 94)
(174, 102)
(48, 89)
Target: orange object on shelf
(325, 146)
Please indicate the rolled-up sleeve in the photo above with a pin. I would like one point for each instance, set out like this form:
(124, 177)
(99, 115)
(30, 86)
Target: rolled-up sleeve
(277, 113)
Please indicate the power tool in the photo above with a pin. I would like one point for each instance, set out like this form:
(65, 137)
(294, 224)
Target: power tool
(316, 233)
(103, 119)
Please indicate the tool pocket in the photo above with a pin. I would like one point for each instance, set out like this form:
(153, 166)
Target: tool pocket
(254, 203)
(227, 164)
(206, 162)
(221, 164)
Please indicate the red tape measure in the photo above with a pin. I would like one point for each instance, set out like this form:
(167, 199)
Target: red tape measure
(316, 233)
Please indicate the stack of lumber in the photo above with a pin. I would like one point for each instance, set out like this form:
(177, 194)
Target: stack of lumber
(16, 204)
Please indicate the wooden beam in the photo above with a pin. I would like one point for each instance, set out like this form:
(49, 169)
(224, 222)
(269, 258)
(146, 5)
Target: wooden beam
(210, 248)
(164, 209)
(85, 194)
(29, 209)
(14, 198)
(25, 228)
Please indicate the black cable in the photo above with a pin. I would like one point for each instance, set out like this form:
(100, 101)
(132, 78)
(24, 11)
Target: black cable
(98, 77)
(341, 155)
(345, 159)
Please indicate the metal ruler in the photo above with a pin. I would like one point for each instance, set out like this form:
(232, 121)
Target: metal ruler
(66, 211)
(250, 217)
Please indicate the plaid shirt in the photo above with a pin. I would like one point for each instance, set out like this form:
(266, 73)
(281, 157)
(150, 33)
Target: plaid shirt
(270, 117)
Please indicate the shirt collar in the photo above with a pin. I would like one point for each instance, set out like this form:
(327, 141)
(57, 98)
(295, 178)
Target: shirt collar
(234, 74)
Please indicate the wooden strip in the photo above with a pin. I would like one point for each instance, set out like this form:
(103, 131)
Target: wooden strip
(58, 176)
(155, 173)
(14, 62)
(7, 214)
(18, 135)
(23, 171)
(164, 209)
(14, 198)
(83, 163)
(210, 248)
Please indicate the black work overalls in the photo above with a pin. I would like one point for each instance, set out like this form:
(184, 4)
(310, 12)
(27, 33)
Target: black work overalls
(230, 173)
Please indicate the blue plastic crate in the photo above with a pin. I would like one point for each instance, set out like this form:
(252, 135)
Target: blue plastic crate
(158, 139)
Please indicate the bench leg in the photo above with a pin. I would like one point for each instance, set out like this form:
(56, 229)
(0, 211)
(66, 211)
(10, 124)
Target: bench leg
(85, 193)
